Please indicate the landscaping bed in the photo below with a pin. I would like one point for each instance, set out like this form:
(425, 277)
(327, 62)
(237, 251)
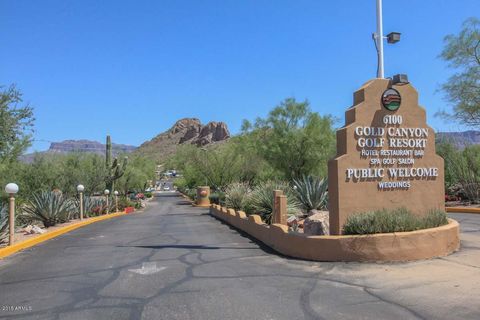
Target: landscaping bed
(395, 246)
(21, 235)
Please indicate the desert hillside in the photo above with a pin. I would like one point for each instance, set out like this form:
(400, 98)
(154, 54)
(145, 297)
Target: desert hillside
(184, 131)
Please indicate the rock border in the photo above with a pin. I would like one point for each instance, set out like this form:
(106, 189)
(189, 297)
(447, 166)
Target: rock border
(399, 246)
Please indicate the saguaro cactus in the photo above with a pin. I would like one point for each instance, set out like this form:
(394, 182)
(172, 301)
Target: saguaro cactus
(114, 170)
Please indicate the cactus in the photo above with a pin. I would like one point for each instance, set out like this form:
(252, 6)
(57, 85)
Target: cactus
(114, 170)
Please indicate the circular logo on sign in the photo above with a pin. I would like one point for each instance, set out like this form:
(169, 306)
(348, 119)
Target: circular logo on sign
(391, 100)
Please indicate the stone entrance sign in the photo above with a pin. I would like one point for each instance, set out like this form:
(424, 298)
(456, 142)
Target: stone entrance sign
(385, 156)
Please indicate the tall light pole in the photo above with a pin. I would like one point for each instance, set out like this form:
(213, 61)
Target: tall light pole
(80, 189)
(11, 189)
(106, 193)
(116, 200)
(378, 37)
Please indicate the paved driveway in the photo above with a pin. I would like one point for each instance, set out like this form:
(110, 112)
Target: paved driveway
(177, 262)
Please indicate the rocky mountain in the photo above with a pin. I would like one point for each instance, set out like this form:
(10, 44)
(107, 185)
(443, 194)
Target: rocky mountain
(460, 139)
(69, 146)
(184, 131)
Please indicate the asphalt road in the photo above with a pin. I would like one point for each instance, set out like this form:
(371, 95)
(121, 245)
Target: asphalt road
(174, 261)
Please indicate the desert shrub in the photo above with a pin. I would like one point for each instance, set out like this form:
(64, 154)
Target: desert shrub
(123, 203)
(217, 197)
(49, 208)
(89, 206)
(217, 166)
(311, 192)
(111, 206)
(396, 220)
(434, 218)
(180, 183)
(93, 205)
(237, 196)
(139, 170)
(462, 168)
(3, 222)
(191, 193)
(261, 199)
(100, 208)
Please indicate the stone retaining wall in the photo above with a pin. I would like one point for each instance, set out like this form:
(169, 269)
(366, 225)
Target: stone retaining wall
(402, 246)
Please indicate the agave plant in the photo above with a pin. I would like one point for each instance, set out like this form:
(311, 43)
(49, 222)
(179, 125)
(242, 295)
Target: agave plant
(261, 199)
(237, 196)
(49, 208)
(99, 207)
(92, 206)
(3, 223)
(311, 192)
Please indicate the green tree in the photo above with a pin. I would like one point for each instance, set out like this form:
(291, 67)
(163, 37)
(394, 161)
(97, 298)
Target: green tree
(60, 171)
(138, 172)
(448, 151)
(184, 160)
(294, 140)
(462, 170)
(214, 166)
(254, 168)
(16, 124)
(462, 52)
(220, 166)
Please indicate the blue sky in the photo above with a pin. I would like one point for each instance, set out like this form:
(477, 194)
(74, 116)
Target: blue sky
(132, 68)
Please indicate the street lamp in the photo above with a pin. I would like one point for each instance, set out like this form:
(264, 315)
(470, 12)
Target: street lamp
(378, 37)
(116, 200)
(11, 189)
(393, 37)
(80, 189)
(106, 193)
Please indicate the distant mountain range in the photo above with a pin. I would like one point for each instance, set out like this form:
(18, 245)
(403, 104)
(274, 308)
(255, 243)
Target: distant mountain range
(68, 146)
(192, 131)
(460, 139)
(87, 146)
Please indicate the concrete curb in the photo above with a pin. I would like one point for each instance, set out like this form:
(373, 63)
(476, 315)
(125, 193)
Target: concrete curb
(463, 210)
(7, 251)
(397, 246)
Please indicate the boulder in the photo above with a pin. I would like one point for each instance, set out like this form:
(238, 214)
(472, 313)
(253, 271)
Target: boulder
(28, 229)
(212, 132)
(292, 220)
(38, 230)
(317, 223)
(190, 133)
(186, 124)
